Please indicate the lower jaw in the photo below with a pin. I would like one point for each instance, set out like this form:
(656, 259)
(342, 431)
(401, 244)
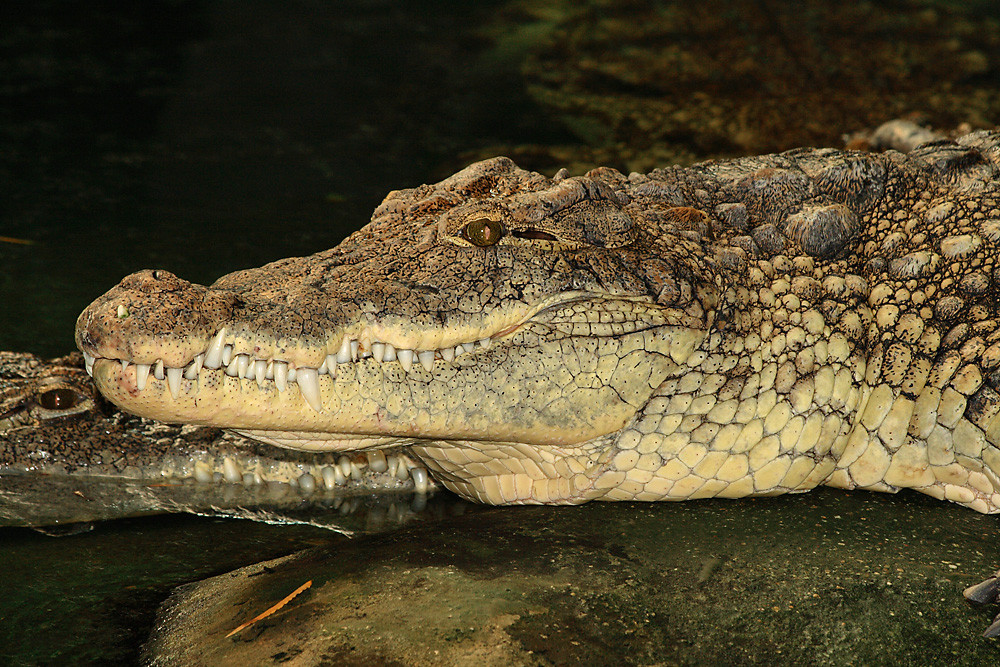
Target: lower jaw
(219, 400)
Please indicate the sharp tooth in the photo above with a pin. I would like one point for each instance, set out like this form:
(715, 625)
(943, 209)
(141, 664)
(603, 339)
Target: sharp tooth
(292, 373)
(378, 350)
(405, 358)
(322, 368)
(191, 373)
(158, 370)
(174, 381)
(227, 355)
(308, 381)
(344, 353)
(213, 355)
(242, 364)
(355, 346)
(329, 477)
(331, 365)
(233, 367)
(251, 371)
(260, 371)
(419, 480)
(448, 354)
(124, 367)
(141, 373)
(468, 347)
(485, 342)
(280, 375)
(344, 465)
(231, 471)
(377, 462)
(390, 353)
(426, 358)
(269, 373)
(88, 362)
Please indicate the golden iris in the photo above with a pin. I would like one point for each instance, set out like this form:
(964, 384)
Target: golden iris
(483, 232)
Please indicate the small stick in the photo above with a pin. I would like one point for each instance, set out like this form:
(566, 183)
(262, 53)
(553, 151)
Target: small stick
(286, 600)
(11, 239)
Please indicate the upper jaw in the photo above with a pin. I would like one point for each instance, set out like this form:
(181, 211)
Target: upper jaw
(132, 325)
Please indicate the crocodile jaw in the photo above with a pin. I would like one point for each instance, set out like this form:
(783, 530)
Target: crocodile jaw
(526, 377)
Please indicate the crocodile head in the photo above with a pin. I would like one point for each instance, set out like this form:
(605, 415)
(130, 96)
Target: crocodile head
(505, 325)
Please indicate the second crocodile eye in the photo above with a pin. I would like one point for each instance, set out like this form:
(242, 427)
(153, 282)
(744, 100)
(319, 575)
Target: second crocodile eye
(58, 399)
(483, 232)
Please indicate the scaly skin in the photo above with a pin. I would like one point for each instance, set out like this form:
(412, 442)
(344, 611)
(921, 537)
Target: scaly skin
(55, 425)
(750, 327)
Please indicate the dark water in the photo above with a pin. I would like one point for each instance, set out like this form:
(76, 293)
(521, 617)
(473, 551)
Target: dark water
(205, 137)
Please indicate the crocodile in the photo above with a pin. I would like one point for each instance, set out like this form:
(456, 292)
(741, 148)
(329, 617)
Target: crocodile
(60, 440)
(757, 326)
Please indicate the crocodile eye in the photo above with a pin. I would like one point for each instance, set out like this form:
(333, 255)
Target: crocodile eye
(58, 399)
(482, 232)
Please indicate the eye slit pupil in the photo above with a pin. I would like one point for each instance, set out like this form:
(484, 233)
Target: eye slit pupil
(483, 232)
(536, 234)
(58, 399)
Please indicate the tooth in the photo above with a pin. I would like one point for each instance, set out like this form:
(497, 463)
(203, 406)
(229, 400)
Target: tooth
(202, 472)
(227, 355)
(426, 358)
(231, 471)
(356, 473)
(331, 366)
(344, 465)
(402, 470)
(308, 382)
(355, 346)
(242, 364)
(485, 342)
(280, 375)
(419, 480)
(448, 354)
(124, 367)
(213, 355)
(344, 353)
(233, 367)
(251, 371)
(378, 351)
(307, 483)
(405, 358)
(158, 370)
(292, 372)
(141, 373)
(377, 462)
(88, 362)
(468, 347)
(390, 353)
(269, 373)
(260, 371)
(174, 381)
(329, 477)
(195, 367)
(322, 368)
